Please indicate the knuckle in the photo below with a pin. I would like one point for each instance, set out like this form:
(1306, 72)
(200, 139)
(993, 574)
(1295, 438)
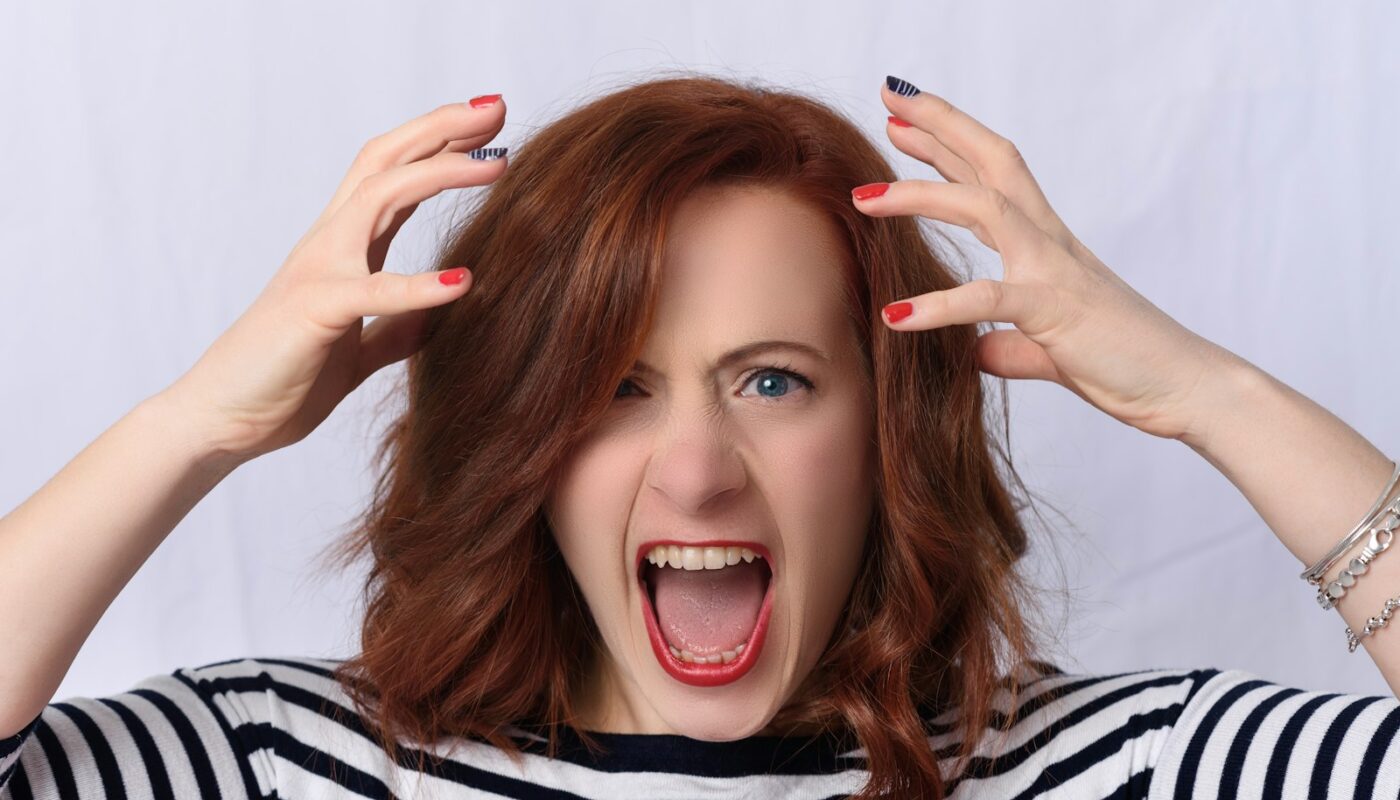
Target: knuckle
(366, 193)
(1007, 153)
(383, 286)
(986, 293)
(372, 153)
(1004, 161)
(995, 203)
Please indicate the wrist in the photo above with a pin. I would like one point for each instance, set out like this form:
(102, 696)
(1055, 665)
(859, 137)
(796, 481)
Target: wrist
(1229, 394)
(185, 431)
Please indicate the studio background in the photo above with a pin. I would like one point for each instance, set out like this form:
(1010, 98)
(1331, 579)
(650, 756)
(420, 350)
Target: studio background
(1234, 163)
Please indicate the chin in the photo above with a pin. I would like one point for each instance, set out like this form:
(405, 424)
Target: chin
(717, 721)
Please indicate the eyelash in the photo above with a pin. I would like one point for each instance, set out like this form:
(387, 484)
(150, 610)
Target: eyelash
(783, 369)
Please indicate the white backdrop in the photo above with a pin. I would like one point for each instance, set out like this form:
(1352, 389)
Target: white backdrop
(158, 161)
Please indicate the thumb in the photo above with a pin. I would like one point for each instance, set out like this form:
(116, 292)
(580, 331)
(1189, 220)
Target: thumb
(1008, 353)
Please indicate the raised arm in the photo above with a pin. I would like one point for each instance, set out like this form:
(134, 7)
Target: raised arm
(1309, 475)
(69, 549)
(265, 383)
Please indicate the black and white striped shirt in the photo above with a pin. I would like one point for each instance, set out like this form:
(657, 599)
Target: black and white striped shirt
(264, 727)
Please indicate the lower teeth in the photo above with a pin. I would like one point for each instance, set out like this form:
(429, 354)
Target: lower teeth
(722, 657)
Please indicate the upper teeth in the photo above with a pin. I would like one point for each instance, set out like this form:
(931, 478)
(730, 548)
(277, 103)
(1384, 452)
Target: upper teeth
(699, 557)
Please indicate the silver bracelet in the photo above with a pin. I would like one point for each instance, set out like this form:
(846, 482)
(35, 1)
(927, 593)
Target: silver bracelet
(1314, 573)
(1328, 596)
(1373, 624)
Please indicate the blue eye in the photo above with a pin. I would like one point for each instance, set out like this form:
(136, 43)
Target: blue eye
(778, 380)
(774, 387)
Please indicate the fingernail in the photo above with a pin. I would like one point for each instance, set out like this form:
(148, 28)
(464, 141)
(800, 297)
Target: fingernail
(452, 277)
(901, 123)
(900, 86)
(894, 312)
(487, 153)
(869, 190)
(481, 101)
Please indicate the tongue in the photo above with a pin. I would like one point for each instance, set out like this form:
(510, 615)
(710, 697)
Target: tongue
(707, 611)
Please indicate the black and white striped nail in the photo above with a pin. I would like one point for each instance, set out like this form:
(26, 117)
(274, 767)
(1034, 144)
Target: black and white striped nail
(487, 153)
(900, 86)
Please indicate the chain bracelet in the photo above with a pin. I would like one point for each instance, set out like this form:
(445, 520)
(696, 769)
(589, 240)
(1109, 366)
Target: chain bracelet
(1373, 624)
(1328, 596)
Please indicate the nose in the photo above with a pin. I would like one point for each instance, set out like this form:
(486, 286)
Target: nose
(695, 466)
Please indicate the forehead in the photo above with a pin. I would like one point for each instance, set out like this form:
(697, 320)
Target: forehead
(745, 263)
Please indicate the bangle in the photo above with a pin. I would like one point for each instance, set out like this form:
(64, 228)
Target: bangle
(1373, 624)
(1314, 573)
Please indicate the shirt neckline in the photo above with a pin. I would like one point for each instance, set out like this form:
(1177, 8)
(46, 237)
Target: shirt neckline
(827, 752)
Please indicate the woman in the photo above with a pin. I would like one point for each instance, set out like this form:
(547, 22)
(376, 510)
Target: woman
(670, 513)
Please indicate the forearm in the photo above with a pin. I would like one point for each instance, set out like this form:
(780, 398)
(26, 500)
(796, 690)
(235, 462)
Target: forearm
(68, 550)
(1311, 477)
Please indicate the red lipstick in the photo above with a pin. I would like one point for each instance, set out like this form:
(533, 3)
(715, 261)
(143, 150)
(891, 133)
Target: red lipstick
(706, 674)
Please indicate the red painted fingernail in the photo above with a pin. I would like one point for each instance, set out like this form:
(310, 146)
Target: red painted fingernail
(452, 277)
(481, 101)
(894, 312)
(901, 123)
(869, 190)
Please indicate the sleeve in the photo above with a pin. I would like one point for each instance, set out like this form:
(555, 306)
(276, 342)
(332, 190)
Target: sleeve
(170, 736)
(1239, 735)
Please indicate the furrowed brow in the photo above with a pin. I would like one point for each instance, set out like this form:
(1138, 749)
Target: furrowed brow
(749, 350)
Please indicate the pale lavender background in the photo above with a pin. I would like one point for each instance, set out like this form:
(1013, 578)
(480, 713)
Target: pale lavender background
(1235, 164)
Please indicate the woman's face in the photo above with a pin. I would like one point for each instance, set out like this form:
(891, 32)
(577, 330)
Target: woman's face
(724, 456)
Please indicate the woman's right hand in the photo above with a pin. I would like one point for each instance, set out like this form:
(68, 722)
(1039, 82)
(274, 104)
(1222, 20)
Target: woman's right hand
(298, 350)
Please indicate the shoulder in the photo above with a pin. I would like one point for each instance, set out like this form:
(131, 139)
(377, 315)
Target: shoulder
(248, 689)
(1041, 691)
(1084, 734)
(1239, 730)
(270, 670)
(211, 730)
(1188, 731)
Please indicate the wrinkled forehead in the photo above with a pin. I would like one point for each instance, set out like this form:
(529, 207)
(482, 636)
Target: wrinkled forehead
(746, 263)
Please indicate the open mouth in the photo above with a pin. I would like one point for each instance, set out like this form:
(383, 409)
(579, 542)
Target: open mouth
(706, 606)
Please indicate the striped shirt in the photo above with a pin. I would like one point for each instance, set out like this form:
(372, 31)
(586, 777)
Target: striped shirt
(266, 727)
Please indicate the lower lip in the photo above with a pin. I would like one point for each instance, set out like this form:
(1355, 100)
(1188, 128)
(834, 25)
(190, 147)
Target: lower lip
(707, 674)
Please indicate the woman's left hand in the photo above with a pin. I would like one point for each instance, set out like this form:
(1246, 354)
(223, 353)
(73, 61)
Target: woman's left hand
(1076, 322)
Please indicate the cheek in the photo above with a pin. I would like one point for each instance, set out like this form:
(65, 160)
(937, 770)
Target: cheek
(821, 487)
(588, 512)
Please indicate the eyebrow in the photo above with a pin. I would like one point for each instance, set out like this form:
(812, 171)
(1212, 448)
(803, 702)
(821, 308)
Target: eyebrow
(749, 350)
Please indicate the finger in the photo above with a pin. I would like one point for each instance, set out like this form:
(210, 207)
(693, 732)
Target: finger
(333, 304)
(925, 147)
(463, 126)
(380, 198)
(1028, 306)
(388, 340)
(379, 249)
(988, 213)
(1008, 353)
(996, 161)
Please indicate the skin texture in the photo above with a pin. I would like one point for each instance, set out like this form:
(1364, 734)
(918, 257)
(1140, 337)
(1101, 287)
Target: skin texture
(693, 453)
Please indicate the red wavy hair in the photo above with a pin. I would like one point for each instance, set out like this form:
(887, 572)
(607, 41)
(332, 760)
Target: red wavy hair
(472, 621)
